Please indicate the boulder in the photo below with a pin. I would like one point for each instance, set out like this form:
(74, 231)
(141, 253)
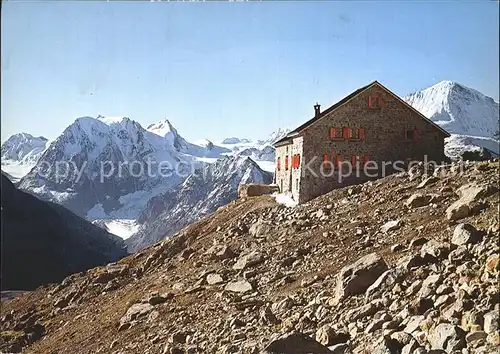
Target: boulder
(386, 281)
(491, 322)
(435, 249)
(447, 337)
(357, 277)
(133, 313)
(464, 234)
(241, 286)
(418, 200)
(248, 260)
(469, 194)
(214, 279)
(326, 335)
(391, 226)
(295, 343)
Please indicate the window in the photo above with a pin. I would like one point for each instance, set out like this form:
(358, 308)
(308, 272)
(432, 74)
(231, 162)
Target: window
(347, 133)
(339, 161)
(366, 159)
(279, 164)
(356, 133)
(412, 134)
(374, 102)
(297, 184)
(286, 163)
(325, 161)
(336, 133)
(355, 160)
(296, 161)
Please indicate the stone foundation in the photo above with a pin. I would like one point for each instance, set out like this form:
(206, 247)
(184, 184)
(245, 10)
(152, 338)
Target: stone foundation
(255, 190)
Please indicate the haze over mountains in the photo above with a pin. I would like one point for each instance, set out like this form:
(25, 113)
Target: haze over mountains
(154, 203)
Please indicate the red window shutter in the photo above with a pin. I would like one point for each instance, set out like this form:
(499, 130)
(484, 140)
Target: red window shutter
(332, 133)
(293, 161)
(325, 161)
(371, 101)
(361, 133)
(286, 162)
(416, 134)
(295, 164)
(366, 159)
(279, 165)
(339, 160)
(353, 160)
(346, 133)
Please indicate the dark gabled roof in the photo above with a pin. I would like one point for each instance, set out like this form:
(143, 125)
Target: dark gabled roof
(297, 130)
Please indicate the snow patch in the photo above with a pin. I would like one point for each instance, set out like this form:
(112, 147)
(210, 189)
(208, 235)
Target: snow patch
(285, 199)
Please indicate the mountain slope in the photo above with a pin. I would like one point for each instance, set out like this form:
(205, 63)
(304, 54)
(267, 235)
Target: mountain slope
(458, 109)
(23, 147)
(471, 117)
(101, 161)
(202, 192)
(20, 152)
(255, 270)
(43, 242)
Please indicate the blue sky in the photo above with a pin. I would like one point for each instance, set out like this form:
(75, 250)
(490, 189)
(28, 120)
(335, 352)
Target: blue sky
(230, 69)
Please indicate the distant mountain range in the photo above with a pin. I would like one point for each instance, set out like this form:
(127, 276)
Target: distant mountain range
(138, 164)
(127, 202)
(200, 194)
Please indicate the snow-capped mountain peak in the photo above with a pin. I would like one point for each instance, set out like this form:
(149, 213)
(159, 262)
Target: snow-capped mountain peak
(275, 136)
(457, 108)
(166, 130)
(20, 152)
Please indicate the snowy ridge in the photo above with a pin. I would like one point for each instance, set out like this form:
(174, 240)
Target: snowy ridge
(91, 144)
(20, 152)
(471, 117)
(207, 189)
(457, 109)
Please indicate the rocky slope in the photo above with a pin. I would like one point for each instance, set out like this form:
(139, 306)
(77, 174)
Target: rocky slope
(200, 194)
(405, 264)
(43, 242)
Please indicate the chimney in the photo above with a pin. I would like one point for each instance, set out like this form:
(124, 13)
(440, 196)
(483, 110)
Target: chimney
(316, 110)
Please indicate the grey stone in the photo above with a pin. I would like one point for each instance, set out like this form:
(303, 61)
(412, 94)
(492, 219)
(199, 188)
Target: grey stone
(386, 281)
(134, 312)
(214, 278)
(248, 260)
(491, 322)
(391, 226)
(241, 286)
(413, 324)
(447, 337)
(465, 234)
(295, 343)
(357, 277)
(418, 200)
